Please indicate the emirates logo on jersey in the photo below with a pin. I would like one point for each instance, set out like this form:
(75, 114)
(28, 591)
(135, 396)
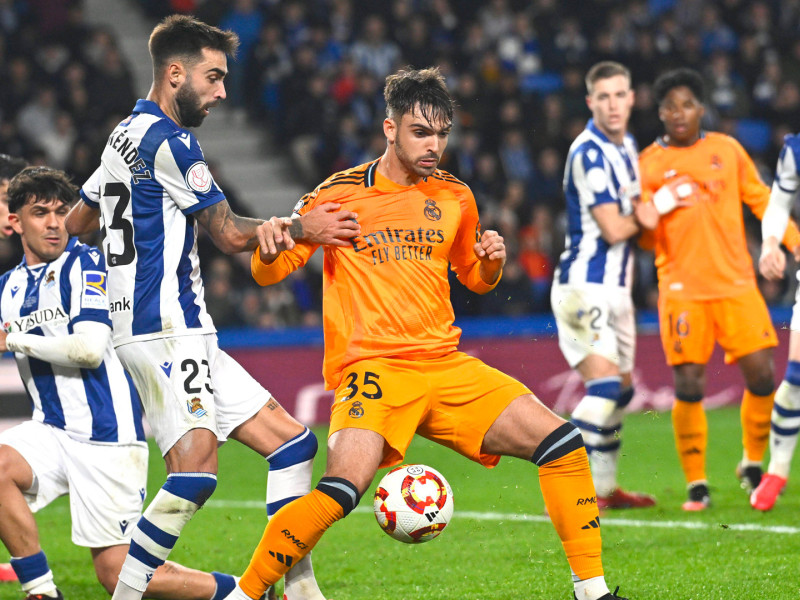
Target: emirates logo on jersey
(432, 212)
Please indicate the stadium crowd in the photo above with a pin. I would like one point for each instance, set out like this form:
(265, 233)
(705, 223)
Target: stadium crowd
(310, 74)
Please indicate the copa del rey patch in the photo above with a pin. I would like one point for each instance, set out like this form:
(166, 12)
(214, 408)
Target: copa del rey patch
(198, 177)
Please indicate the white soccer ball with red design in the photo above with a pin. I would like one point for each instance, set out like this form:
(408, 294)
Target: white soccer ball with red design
(413, 503)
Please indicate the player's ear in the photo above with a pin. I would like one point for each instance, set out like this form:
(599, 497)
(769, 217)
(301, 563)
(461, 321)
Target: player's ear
(176, 73)
(16, 225)
(390, 129)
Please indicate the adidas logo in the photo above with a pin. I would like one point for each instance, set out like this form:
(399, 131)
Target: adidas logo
(431, 516)
(593, 524)
(284, 560)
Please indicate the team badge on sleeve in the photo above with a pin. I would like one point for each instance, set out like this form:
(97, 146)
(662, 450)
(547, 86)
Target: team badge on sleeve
(94, 290)
(198, 177)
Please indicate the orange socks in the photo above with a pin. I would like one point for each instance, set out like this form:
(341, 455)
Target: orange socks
(756, 412)
(570, 498)
(691, 438)
(292, 533)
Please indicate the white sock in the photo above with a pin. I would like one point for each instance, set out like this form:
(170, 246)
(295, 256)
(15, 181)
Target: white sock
(590, 589)
(125, 592)
(785, 429)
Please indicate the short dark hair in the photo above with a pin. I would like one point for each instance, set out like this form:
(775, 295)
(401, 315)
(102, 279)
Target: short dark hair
(605, 70)
(682, 77)
(185, 37)
(10, 166)
(40, 184)
(409, 87)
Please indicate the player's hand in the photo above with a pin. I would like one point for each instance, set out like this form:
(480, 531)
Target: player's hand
(646, 214)
(274, 238)
(491, 252)
(3, 346)
(772, 262)
(326, 224)
(676, 193)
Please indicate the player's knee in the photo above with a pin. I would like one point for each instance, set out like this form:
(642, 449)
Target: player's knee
(194, 487)
(299, 449)
(342, 491)
(762, 387)
(560, 442)
(12, 468)
(689, 388)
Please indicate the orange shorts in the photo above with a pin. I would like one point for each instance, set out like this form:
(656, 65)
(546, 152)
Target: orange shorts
(452, 400)
(740, 324)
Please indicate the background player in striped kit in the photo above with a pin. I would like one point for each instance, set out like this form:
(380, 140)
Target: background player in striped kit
(698, 180)
(786, 410)
(85, 437)
(591, 294)
(153, 188)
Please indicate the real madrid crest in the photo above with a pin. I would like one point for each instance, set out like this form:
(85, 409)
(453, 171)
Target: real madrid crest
(432, 212)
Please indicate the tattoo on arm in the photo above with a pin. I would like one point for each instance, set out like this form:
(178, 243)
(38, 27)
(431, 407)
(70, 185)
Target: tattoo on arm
(230, 232)
(272, 404)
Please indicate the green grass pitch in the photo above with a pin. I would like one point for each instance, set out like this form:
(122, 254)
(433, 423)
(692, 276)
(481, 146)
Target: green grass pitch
(489, 551)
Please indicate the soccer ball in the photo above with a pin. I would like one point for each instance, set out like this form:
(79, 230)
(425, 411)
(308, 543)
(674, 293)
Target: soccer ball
(413, 503)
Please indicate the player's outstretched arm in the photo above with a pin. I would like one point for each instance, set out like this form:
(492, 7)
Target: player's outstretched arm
(326, 225)
(83, 348)
(82, 219)
(230, 232)
(491, 252)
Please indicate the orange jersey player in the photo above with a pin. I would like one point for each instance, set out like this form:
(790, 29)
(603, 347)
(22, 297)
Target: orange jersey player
(388, 294)
(707, 287)
(391, 347)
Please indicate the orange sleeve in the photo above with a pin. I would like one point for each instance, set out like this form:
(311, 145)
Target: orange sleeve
(289, 260)
(755, 194)
(462, 255)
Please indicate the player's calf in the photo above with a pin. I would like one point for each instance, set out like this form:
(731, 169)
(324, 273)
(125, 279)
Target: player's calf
(157, 531)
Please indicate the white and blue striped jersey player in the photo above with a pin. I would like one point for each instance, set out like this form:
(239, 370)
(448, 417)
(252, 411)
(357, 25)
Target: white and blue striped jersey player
(75, 408)
(152, 182)
(591, 296)
(92, 405)
(153, 177)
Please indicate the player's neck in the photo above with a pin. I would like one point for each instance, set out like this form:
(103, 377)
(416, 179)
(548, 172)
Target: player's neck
(615, 138)
(165, 102)
(392, 169)
(676, 143)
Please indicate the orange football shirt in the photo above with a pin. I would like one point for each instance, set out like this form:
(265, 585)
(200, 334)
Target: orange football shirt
(701, 250)
(387, 294)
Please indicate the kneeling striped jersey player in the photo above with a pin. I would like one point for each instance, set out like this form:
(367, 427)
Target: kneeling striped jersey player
(85, 437)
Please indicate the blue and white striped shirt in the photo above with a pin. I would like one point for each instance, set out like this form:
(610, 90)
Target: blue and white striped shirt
(92, 405)
(787, 173)
(597, 171)
(152, 177)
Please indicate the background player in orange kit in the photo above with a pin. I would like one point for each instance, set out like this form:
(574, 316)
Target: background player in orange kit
(707, 287)
(391, 347)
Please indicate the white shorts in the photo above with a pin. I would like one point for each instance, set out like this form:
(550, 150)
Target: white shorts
(595, 319)
(186, 382)
(106, 483)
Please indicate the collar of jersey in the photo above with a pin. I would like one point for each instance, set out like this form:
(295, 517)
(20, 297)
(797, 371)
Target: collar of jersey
(149, 107)
(385, 184)
(661, 142)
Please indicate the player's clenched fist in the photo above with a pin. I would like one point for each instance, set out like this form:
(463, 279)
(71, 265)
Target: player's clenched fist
(274, 238)
(491, 251)
(772, 262)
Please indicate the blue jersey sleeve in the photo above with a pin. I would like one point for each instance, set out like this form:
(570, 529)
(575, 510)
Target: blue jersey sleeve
(86, 288)
(787, 173)
(181, 169)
